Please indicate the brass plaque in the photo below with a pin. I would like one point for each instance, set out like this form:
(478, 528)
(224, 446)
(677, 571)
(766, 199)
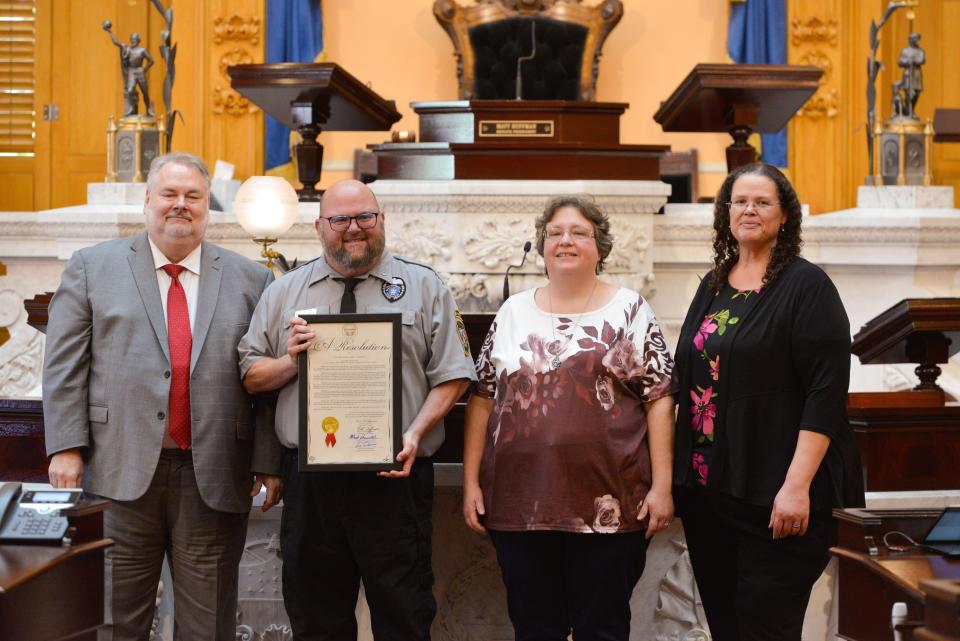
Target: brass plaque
(516, 129)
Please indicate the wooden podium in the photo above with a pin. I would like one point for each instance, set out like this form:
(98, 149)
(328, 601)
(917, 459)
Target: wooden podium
(310, 98)
(739, 99)
(909, 440)
(519, 140)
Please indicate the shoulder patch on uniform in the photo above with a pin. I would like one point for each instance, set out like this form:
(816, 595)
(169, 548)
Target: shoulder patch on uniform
(462, 332)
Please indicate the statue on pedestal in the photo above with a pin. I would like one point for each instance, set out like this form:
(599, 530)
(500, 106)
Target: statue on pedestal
(907, 90)
(133, 71)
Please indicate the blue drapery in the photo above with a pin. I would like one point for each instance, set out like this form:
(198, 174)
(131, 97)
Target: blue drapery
(294, 34)
(757, 34)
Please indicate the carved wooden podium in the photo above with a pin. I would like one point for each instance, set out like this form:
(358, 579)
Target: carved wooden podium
(519, 140)
(739, 99)
(310, 98)
(909, 440)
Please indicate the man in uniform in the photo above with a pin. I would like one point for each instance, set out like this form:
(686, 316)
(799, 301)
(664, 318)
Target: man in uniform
(143, 405)
(341, 527)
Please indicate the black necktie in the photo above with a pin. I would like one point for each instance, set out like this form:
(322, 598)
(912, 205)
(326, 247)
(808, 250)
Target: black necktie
(348, 303)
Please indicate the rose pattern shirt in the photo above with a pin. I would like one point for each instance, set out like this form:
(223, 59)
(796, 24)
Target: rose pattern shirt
(566, 447)
(729, 307)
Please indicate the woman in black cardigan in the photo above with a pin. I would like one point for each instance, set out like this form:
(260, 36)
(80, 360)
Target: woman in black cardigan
(763, 447)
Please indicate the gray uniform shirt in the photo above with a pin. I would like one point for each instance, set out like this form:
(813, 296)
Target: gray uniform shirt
(435, 348)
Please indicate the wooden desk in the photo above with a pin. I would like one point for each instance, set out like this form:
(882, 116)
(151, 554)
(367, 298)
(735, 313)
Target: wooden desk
(869, 585)
(49, 593)
(55, 592)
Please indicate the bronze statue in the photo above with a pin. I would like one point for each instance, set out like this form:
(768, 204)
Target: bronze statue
(907, 90)
(133, 71)
(873, 69)
(168, 53)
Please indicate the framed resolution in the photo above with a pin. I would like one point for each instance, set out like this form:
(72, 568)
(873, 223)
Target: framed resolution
(350, 393)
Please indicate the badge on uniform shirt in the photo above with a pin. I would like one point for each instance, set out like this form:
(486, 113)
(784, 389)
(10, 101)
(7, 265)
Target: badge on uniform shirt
(394, 290)
(462, 332)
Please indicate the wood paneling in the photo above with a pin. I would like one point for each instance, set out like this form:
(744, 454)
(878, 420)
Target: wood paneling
(828, 153)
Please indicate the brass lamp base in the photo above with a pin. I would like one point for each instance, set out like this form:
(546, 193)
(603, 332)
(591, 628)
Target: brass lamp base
(267, 252)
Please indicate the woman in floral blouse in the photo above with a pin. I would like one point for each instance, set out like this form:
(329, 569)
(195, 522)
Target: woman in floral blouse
(763, 447)
(568, 444)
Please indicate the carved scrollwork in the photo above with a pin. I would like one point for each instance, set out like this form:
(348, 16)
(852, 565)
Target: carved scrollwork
(245, 633)
(467, 286)
(21, 362)
(814, 30)
(277, 632)
(236, 27)
(419, 240)
(493, 243)
(824, 104)
(228, 101)
(819, 59)
(629, 247)
(234, 57)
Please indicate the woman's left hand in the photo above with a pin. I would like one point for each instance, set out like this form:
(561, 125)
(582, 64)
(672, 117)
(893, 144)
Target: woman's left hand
(658, 505)
(791, 512)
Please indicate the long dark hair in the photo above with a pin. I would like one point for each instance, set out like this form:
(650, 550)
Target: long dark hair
(726, 250)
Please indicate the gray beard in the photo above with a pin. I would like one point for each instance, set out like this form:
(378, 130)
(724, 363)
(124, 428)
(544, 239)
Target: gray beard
(364, 262)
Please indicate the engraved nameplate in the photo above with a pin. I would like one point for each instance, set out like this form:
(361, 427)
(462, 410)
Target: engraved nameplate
(516, 129)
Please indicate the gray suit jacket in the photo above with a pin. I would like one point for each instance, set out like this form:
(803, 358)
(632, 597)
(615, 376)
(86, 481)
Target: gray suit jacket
(106, 373)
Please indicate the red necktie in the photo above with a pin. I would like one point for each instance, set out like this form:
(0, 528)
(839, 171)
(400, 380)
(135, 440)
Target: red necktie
(181, 343)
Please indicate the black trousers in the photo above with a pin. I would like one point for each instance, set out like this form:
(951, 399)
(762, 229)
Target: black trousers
(753, 588)
(340, 527)
(560, 581)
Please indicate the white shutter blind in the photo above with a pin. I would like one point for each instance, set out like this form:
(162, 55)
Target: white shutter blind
(17, 46)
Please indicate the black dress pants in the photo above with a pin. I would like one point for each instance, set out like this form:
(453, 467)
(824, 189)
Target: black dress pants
(340, 527)
(753, 588)
(560, 581)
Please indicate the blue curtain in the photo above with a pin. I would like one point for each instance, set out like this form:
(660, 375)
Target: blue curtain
(757, 34)
(294, 34)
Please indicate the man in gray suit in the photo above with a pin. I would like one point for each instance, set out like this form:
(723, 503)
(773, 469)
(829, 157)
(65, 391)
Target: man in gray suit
(143, 404)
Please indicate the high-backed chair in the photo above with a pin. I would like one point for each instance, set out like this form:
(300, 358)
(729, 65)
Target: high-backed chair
(490, 35)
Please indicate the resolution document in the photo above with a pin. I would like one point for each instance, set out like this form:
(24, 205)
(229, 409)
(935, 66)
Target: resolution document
(351, 398)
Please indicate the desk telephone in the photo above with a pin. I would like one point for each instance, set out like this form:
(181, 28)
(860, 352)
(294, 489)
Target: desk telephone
(33, 516)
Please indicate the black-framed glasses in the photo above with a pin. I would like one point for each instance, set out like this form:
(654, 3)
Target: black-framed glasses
(365, 220)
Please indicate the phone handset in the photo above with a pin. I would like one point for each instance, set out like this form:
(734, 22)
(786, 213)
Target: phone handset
(19, 524)
(9, 492)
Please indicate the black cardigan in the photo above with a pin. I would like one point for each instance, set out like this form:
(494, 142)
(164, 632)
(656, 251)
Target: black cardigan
(786, 367)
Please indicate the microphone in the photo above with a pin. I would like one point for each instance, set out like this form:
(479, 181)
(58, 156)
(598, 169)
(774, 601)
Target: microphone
(898, 616)
(527, 246)
(518, 89)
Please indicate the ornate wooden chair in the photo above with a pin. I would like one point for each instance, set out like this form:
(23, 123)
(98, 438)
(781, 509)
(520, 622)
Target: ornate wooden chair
(490, 36)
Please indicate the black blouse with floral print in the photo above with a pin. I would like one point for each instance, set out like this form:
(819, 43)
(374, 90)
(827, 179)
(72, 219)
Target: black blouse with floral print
(728, 308)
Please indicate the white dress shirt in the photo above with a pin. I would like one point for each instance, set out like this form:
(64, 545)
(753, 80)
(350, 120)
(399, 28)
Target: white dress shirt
(189, 279)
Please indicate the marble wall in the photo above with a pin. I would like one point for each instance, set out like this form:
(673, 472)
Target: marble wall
(470, 231)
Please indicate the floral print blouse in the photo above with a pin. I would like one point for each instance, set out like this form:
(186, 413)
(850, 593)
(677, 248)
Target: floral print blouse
(566, 443)
(728, 308)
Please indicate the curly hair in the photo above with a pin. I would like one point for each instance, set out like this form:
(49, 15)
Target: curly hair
(726, 249)
(589, 210)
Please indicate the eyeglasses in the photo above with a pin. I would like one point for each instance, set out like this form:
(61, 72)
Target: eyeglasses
(577, 234)
(365, 220)
(760, 206)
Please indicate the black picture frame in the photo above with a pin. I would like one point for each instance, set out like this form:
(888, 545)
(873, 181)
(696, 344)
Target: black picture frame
(396, 367)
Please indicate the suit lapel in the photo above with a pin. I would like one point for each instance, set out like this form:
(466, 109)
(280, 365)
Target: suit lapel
(210, 274)
(145, 276)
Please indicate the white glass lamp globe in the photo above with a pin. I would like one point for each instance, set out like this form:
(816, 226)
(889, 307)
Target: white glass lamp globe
(266, 206)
